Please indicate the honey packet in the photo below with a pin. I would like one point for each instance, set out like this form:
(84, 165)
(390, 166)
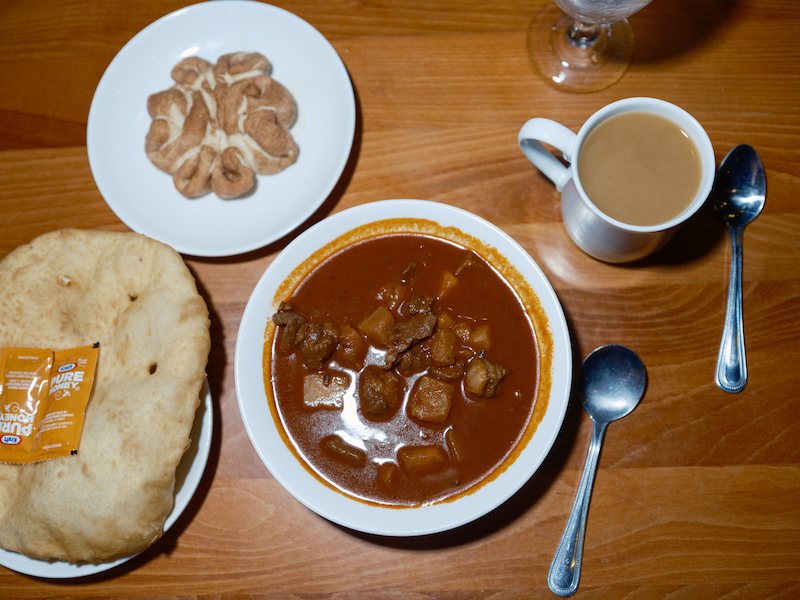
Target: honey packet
(24, 381)
(54, 409)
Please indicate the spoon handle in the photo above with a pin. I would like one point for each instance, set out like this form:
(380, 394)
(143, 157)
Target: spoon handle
(565, 570)
(731, 362)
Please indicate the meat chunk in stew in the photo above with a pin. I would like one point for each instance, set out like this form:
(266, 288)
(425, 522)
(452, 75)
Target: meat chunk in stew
(404, 334)
(379, 390)
(415, 359)
(419, 305)
(317, 342)
(454, 371)
(291, 322)
(484, 378)
(352, 348)
(467, 262)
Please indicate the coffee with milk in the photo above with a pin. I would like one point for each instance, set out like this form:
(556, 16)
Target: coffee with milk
(640, 168)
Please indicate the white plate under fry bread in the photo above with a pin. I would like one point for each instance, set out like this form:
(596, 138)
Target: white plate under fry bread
(190, 472)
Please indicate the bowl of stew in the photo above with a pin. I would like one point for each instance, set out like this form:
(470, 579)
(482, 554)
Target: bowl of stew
(403, 367)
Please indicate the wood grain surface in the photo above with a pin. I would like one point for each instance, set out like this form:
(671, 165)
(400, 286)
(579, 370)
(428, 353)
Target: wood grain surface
(698, 491)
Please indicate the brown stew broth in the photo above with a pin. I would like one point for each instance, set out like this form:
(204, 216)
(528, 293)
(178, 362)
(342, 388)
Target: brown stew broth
(345, 288)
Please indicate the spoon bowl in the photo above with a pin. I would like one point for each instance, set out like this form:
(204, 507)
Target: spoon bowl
(739, 195)
(740, 190)
(611, 382)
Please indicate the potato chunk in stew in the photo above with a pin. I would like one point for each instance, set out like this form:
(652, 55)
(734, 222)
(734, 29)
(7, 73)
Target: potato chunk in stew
(448, 281)
(417, 459)
(388, 474)
(480, 338)
(431, 400)
(377, 325)
(443, 347)
(325, 390)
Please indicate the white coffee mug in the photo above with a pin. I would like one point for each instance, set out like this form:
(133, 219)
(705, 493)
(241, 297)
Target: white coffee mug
(593, 231)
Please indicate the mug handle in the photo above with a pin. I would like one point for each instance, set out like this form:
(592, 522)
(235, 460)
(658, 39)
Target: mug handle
(530, 139)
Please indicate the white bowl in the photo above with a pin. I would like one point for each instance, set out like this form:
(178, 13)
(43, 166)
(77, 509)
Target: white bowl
(263, 430)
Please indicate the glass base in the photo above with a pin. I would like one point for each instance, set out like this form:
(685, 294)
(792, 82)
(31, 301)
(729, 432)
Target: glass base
(578, 61)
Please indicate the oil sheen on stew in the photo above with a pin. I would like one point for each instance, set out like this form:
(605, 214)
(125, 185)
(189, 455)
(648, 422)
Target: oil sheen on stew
(404, 369)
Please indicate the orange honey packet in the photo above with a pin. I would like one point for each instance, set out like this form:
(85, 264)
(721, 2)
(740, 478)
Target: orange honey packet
(61, 400)
(24, 381)
(71, 383)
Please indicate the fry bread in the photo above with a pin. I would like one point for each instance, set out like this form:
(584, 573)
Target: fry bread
(138, 299)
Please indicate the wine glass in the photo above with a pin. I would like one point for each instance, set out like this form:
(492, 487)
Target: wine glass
(588, 48)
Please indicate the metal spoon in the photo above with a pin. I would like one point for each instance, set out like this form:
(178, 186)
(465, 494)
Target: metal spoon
(610, 384)
(739, 195)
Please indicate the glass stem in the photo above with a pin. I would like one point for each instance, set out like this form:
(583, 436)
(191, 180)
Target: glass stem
(583, 35)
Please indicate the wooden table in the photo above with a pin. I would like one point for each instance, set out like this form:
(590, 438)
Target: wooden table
(698, 491)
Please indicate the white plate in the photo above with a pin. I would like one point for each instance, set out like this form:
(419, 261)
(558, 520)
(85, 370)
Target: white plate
(187, 478)
(146, 200)
(278, 458)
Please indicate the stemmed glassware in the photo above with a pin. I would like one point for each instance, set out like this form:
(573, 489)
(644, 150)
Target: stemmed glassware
(588, 48)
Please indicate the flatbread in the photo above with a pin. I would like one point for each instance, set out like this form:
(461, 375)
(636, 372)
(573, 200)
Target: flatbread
(136, 297)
